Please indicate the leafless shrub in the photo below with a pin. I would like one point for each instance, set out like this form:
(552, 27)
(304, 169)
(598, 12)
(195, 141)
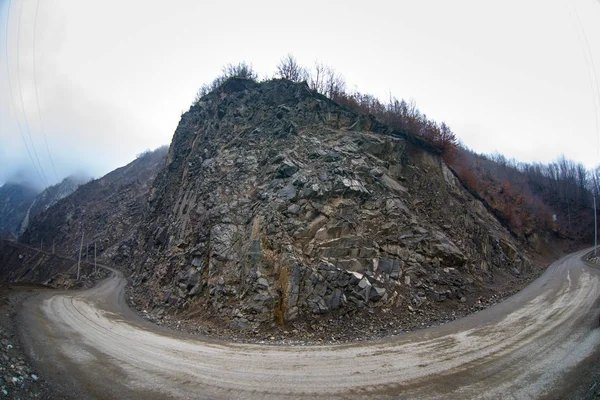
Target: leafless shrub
(240, 70)
(325, 80)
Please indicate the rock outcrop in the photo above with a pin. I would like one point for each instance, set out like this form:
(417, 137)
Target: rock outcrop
(276, 205)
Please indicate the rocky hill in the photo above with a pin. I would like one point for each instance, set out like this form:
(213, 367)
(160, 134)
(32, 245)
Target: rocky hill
(276, 205)
(15, 200)
(108, 210)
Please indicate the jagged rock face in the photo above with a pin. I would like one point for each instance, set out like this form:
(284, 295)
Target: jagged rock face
(51, 196)
(108, 210)
(277, 204)
(15, 200)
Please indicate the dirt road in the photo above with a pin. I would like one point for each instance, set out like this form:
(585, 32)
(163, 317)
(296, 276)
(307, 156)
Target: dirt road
(530, 346)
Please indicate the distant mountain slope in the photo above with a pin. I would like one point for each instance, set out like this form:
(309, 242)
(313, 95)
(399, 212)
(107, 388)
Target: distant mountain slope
(108, 210)
(51, 196)
(15, 200)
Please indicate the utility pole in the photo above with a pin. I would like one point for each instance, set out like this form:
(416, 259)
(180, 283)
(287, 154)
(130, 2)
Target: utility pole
(53, 240)
(87, 250)
(595, 230)
(41, 244)
(95, 265)
(80, 249)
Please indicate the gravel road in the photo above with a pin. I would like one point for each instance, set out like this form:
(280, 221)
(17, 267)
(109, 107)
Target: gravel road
(539, 343)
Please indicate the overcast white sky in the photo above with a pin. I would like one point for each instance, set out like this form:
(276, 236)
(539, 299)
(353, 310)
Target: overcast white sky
(114, 76)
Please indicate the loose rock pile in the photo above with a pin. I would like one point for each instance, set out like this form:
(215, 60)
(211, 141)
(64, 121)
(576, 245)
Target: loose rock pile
(18, 380)
(595, 260)
(15, 374)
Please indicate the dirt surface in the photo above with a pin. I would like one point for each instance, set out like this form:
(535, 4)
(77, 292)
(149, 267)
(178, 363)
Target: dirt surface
(94, 346)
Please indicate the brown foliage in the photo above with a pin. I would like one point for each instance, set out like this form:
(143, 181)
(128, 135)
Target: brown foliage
(505, 190)
(405, 118)
(468, 178)
(282, 290)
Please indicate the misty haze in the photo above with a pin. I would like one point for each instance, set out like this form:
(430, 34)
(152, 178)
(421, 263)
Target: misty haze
(253, 200)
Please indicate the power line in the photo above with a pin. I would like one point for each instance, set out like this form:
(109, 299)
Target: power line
(37, 103)
(591, 72)
(21, 95)
(12, 100)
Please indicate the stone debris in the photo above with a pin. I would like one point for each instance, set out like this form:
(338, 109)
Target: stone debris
(18, 379)
(594, 260)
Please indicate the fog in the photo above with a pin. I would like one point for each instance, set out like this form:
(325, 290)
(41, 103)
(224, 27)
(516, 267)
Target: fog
(112, 78)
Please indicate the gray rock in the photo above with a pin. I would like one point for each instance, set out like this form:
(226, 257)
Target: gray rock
(364, 283)
(294, 209)
(263, 282)
(355, 277)
(365, 293)
(287, 169)
(317, 305)
(197, 289)
(385, 266)
(241, 324)
(331, 156)
(377, 293)
(196, 261)
(334, 300)
(376, 172)
(288, 192)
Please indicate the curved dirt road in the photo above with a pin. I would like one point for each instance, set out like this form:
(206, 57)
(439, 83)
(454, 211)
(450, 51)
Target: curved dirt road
(525, 347)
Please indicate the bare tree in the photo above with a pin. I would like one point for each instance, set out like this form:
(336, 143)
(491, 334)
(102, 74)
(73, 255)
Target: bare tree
(335, 83)
(595, 181)
(327, 81)
(288, 68)
(582, 182)
(317, 78)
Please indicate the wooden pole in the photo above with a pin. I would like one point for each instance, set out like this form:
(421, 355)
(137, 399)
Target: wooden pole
(53, 248)
(95, 265)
